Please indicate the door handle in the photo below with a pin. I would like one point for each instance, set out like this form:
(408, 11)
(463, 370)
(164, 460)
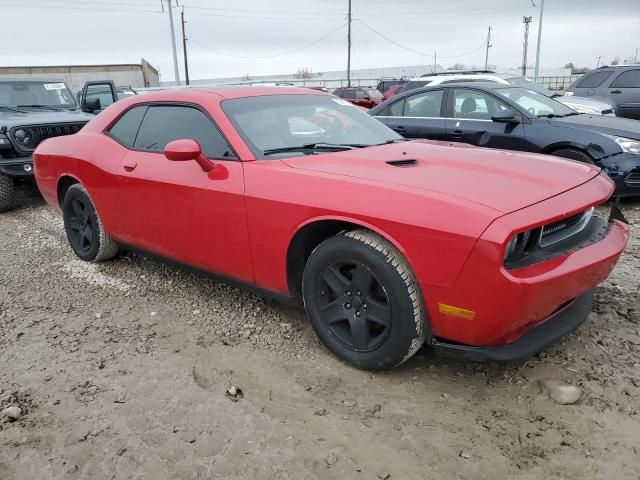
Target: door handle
(130, 165)
(458, 133)
(399, 129)
(616, 91)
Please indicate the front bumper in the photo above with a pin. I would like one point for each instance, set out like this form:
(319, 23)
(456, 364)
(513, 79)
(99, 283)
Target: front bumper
(17, 167)
(624, 170)
(489, 305)
(561, 323)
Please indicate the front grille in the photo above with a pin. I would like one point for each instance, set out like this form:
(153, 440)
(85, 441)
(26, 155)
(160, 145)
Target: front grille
(558, 231)
(37, 133)
(633, 176)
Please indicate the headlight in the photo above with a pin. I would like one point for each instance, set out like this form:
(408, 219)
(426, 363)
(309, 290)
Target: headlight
(628, 145)
(518, 245)
(583, 108)
(22, 136)
(511, 246)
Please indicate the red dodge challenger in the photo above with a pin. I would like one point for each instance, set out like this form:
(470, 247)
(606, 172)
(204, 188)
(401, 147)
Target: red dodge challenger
(297, 194)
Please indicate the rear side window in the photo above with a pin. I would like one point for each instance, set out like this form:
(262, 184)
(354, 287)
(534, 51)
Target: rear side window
(360, 94)
(126, 129)
(396, 109)
(348, 94)
(426, 104)
(165, 123)
(593, 80)
(628, 79)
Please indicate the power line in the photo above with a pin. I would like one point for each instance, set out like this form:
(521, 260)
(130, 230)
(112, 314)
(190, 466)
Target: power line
(77, 8)
(404, 47)
(269, 56)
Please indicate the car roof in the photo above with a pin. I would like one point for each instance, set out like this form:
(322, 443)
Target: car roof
(230, 92)
(31, 80)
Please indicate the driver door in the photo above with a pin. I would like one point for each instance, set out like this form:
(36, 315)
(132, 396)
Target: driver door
(175, 209)
(469, 121)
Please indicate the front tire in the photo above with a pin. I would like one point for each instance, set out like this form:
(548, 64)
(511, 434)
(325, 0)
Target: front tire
(573, 154)
(83, 227)
(363, 301)
(7, 193)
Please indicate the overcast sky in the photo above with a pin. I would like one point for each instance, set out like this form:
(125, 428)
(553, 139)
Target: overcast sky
(385, 33)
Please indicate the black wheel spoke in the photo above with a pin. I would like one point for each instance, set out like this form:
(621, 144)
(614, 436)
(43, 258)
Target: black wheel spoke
(378, 312)
(360, 332)
(88, 235)
(336, 280)
(78, 209)
(362, 279)
(74, 225)
(334, 312)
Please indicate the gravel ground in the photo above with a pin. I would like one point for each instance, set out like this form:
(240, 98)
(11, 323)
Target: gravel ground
(120, 370)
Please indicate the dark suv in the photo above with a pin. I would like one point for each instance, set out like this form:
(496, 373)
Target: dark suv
(31, 111)
(619, 85)
(366, 97)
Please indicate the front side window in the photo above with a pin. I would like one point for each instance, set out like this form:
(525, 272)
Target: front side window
(351, 94)
(126, 128)
(165, 123)
(535, 103)
(277, 122)
(397, 109)
(360, 94)
(373, 93)
(39, 93)
(593, 80)
(628, 79)
(426, 104)
(474, 105)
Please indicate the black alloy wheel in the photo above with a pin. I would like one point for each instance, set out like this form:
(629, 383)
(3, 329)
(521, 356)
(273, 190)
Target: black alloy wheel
(82, 229)
(353, 305)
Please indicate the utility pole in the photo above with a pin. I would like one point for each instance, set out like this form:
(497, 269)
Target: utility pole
(539, 38)
(636, 57)
(599, 58)
(184, 48)
(349, 47)
(525, 48)
(173, 45)
(486, 56)
(435, 62)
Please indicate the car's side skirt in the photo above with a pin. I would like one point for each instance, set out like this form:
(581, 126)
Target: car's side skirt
(262, 292)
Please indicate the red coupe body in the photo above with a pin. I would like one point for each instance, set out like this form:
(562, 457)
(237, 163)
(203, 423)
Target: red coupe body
(451, 210)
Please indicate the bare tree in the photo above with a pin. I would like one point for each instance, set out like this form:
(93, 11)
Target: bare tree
(247, 77)
(615, 61)
(457, 66)
(304, 72)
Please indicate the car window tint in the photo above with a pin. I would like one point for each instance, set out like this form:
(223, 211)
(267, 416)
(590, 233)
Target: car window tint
(125, 129)
(103, 92)
(396, 109)
(348, 94)
(475, 105)
(163, 124)
(628, 79)
(593, 80)
(426, 104)
(360, 94)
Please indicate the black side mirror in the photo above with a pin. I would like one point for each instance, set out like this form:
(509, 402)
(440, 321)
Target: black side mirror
(93, 104)
(504, 116)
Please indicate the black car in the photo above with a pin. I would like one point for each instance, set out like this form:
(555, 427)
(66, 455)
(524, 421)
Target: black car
(31, 110)
(619, 85)
(515, 118)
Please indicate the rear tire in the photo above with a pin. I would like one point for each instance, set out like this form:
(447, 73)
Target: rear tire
(363, 301)
(573, 154)
(7, 193)
(85, 232)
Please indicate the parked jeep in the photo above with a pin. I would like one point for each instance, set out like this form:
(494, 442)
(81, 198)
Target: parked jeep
(31, 110)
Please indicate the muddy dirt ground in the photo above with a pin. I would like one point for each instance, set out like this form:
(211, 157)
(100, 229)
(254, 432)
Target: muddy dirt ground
(120, 371)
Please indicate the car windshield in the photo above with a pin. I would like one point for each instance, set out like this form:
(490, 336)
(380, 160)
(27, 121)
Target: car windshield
(535, 103)
(33, 94)
(526, 83)
(373, 93)
(298, 123)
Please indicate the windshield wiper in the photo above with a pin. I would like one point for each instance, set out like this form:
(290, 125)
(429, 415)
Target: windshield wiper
(332, 147)
(555, 115)
(11, 109)
(46, 107)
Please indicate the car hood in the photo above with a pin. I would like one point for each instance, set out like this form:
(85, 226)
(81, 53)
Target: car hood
(503, 180)
(587, 102)
(37, 117)
(622, 127)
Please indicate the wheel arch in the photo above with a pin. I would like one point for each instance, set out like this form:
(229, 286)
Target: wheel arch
(64, 183)
(594, 151)
(311, 233)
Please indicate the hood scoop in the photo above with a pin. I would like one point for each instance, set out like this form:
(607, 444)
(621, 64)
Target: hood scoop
(403, 163)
